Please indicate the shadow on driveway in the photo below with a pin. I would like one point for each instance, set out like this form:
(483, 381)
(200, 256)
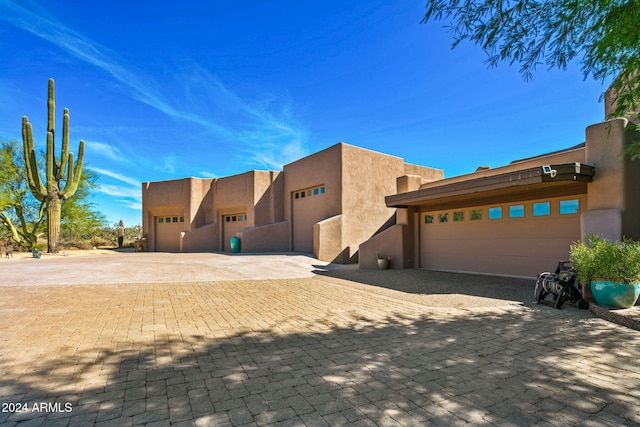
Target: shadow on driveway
(427, 282)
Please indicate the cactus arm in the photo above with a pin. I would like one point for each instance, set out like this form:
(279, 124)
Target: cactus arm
(73, 174)
(51, 108)
(65, 145)
(35, 183)
(51, 183)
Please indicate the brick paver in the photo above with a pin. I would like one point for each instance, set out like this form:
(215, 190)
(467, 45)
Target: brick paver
(305, 352)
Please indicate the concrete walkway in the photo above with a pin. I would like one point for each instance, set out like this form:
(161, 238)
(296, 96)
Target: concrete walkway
(210, 339)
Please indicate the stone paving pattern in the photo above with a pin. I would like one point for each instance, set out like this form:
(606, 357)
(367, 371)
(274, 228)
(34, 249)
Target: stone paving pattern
(313, 351)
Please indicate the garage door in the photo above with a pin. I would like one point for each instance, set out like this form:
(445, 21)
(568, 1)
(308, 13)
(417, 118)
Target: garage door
(168, 229)
(309, 207)
(522, 239)
(232, 224)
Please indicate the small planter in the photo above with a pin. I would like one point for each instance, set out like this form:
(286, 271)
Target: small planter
(234, 242)
(383, 264)
(615, 295)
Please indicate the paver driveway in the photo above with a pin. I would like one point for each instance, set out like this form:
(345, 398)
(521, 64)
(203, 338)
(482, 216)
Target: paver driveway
(313, 350)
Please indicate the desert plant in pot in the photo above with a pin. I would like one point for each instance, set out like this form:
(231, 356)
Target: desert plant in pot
(611, 268)
(383, 262)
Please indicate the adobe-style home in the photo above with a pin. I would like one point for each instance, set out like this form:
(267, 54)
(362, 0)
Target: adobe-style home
(348, 204)
(327, 204)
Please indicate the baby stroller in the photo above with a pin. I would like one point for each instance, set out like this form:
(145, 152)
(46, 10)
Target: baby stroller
(562, 285)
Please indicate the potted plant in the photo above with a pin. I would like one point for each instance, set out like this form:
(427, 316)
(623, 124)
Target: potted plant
(612, 270)
(383, 262)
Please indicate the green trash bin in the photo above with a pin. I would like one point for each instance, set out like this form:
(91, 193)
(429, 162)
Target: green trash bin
(235, 244)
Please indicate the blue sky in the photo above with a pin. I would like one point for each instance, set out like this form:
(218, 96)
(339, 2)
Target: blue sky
(215, 88)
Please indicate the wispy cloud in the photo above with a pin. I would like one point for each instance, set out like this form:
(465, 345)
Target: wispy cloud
(129, 195)
(206, 174)
(120, 191)
(132, 205)
(104, 150)
(264, 129)
(166, 165)
(54, 31)
(120, 177)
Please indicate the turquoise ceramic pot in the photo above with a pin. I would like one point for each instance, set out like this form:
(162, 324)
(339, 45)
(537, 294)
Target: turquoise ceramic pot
(235, 244)
(616, 295)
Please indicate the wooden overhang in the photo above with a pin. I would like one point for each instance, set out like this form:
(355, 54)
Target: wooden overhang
(559, 180)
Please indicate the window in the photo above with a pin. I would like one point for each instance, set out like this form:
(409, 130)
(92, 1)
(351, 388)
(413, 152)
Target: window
(495, 213)
(181, 219)
(542, 209)
(160, 220)
(428, 219)
(175, 219)
(475, 215)
(443, 217)
(569, 206)
(227, 219)
(168, 219)
(516, 211)
(458, 216)
(310, 192)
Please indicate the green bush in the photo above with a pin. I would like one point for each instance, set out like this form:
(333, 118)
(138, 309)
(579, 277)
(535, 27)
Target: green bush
(601, 259)
(40, 246)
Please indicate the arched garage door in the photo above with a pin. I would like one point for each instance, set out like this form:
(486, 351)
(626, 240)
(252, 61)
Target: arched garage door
(521, 239)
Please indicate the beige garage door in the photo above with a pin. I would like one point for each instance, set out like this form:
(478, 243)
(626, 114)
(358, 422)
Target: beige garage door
(168, 229)
(232, 224)
(522, 239)
(309, 207)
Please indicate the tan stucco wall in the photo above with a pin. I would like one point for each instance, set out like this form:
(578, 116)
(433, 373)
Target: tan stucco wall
(368, 176)
(427, 173)
(356, 180)
(265, 238)
(161, 199)
(388, 243)
(326, 237)
(268, 194)
(614, 194)
(204, 203)
(322, 168)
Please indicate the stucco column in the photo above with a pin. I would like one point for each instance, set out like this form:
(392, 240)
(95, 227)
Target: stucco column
(606, 194)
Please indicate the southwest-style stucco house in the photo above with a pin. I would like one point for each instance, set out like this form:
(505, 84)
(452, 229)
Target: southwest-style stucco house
(327, 204)
(348, 204)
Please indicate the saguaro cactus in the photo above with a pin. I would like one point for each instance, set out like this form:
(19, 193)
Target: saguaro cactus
(62, 177)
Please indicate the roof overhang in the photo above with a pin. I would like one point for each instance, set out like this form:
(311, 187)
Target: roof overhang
(532, 183)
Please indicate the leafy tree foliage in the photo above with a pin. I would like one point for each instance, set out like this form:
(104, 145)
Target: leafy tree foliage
(22, 215)
(79, 219)
(604, 36)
